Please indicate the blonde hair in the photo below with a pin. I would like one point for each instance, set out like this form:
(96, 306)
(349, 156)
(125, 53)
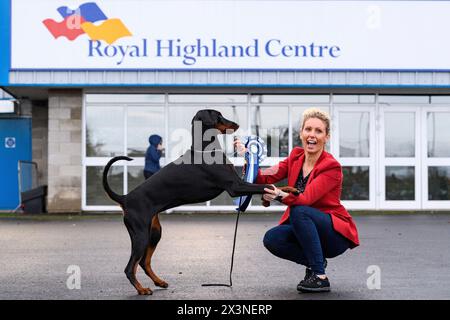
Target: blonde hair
(318, 114)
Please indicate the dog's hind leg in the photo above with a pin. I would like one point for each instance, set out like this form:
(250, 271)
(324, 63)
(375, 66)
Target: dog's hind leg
(139, 240)
(155, 232)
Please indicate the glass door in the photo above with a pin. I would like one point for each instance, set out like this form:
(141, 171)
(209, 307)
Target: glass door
(436, 157)
(115, 125)
(353, 146)
(271, 123)
(399, 157)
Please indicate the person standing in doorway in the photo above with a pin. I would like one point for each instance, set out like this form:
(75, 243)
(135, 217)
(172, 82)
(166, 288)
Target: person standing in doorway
(152, 156)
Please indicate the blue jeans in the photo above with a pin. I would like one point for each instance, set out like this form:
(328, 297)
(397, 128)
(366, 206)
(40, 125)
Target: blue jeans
(307, 238)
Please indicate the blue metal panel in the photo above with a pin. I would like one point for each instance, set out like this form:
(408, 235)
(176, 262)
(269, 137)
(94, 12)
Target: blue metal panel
(5, 41)
(15, 145)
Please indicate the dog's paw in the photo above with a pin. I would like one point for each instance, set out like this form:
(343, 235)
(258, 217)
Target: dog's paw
(145, 292)
(290, 189)
(162, 284)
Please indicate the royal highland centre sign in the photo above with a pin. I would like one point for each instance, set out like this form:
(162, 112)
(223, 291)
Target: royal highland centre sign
(229, 35)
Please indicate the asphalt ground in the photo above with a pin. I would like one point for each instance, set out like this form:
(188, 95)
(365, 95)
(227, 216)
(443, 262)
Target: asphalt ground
(410, 253)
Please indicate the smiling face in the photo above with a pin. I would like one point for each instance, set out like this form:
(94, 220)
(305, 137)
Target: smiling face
(314, 136)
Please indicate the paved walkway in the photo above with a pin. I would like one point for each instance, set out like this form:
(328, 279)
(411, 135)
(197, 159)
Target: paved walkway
(411, 251)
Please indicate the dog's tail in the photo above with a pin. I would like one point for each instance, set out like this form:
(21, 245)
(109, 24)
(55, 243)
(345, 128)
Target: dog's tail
(114, 196)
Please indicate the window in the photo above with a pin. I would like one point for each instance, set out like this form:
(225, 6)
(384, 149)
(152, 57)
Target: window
(356, 183)
(95, 194)
(103, 139)
(271, 124)
(439, 183)
(399, 134)
(438, 134)
(354, 133)
(436, 160)
(141, 123)
(400, 184)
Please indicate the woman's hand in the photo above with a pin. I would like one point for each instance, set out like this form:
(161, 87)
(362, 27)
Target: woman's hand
(270, 194)
(240, 148)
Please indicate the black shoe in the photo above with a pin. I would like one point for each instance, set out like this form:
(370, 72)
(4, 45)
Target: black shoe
(309, 271)
(314, 284)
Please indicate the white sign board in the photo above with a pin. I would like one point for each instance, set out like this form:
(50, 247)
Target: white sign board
(250, 35)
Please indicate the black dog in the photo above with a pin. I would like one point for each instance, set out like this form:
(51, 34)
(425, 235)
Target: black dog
(201, 174)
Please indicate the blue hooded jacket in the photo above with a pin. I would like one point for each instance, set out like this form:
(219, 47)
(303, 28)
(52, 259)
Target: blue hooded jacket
(153, 155)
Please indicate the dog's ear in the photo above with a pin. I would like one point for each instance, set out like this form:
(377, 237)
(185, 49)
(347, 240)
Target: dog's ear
(208, 118)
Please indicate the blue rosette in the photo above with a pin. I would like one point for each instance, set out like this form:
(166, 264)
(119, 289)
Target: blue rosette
(256, 153)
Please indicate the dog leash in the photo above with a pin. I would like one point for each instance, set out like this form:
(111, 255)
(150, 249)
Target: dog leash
(232, 260)
(259, 151)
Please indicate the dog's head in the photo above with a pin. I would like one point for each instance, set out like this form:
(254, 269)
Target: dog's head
(214, 119)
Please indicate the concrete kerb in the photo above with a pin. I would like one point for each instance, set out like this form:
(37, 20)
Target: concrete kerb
(107, 215)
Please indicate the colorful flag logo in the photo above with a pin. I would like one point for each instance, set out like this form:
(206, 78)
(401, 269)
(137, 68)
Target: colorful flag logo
(81, 21)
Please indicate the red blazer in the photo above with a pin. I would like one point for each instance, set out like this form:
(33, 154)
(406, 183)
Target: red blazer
(322, 191)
